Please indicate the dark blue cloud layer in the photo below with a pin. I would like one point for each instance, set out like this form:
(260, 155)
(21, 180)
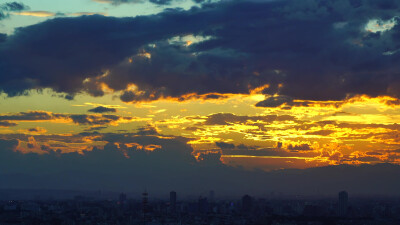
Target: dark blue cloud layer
(172, 167)
(318, 50)
(102, 109)
(7, 7)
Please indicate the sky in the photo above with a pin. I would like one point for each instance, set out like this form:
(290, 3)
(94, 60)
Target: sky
(225, 93)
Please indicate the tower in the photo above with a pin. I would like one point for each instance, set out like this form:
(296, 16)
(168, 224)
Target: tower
(247, 203)
(211, 196)
(172, 200)
(122, 199)
(203, 205)
(343, 203)
(145, 200)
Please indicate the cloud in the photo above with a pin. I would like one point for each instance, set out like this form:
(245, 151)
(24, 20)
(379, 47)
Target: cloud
(172, 166)
(3, 37)
(119, 2)
(81, 119)
(8, 7)
(85, 14)
(95, 119)
(102, 109)
(147, 130)
(229, 118)
(321, 132)
(37, 130)
(35, 13)
(98, 47)
(224, 145)
(7, 124)
(331, 58)
(53, 14)
(161, 2)
(13, 6)
(31, 116)
(274, 101)
(301, 147)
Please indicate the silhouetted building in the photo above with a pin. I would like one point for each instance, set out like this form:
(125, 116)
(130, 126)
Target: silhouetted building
(343, 203)
(203, 205)
(211, 196)
(122, 199)
(145, 207)
(247, 203)
(312, 211)
(172, 200)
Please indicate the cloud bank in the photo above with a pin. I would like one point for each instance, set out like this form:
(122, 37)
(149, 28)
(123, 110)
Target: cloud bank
(308, 50)
(162, 164)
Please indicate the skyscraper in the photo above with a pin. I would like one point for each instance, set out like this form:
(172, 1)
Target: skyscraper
(247, 203)
(172, 200)
(203, 205)
(145, 200)
(211, 196)
(122, 199)
(343, 203)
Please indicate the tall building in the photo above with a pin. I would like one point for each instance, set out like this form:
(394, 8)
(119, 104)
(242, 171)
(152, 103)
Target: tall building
(211, 196)
(343, 203)
(247, 203)
(172, 200)
(203, 205)
(122, 199)
(145, 201)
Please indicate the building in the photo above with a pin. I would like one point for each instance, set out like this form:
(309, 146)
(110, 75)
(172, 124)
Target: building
(172, 200)
(343, 203)
(211, 196)
(122, 199)
(145, 207)
(247, 203)
(203, 205)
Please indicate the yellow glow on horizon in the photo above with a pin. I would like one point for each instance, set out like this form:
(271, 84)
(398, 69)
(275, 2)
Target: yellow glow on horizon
(35, 13)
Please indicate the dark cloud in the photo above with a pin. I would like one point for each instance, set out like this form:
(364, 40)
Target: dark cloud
(210, 159)
(321, 132)
(147, 130)
(173, 166)
(308, 50)
(274, 101)
(93, 43)
(224, 145)
(241, 147)
(95, 128)
(244, 147)
(229, 118)
(7, 124)
(33, 129)
(119, 2)
(81, 119)
(31, 116)
(3, 37)
(13, 6)
(300, 147)
(193, 128)
(94, 119)
(102, 109)
(5, 8)
(266, 152)
(128, 96)
(161, 2)
(37, 130)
